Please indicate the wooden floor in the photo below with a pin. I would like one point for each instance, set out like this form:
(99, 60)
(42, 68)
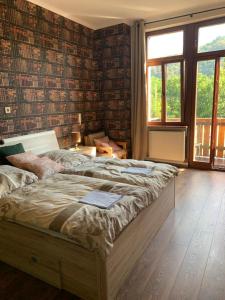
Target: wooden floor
(186, 260)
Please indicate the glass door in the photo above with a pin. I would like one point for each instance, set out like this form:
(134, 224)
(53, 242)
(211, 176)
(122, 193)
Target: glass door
(209, 125)
(208, 134)
(219, 151)
(204, 110)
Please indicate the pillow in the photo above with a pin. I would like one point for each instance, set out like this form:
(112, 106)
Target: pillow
(114, 146)
(12, 178)
(42, 166)
(93, 136)
(10, 150)
(104, 141)
(18, 160)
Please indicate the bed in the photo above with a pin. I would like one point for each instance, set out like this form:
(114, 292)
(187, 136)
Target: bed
(67, 265)
(114, 169)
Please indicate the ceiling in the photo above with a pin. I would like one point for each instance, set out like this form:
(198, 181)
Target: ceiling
(102, 13)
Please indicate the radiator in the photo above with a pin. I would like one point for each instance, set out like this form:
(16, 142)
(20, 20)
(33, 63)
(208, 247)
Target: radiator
(165, 145)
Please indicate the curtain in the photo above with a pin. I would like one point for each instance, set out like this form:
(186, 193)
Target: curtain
(138, 92)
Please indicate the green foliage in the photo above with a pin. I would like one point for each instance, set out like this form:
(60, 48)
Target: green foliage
(156, 96)
(173, 92)
(205, 87)
(217, 44)
(221, 104)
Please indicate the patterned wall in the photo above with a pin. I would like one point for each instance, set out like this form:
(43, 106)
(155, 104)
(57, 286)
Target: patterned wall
(47, 72)
(52, 68)
(112, 53)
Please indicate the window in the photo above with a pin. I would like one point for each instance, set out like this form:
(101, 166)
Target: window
(164, 45)
(211, 38)
(173, 92)
(155, 93)
(165, 67)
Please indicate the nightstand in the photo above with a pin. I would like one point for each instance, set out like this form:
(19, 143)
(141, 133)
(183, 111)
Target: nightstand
(87, 150)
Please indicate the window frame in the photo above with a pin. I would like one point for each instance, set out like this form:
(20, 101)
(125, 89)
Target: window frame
(162, 61)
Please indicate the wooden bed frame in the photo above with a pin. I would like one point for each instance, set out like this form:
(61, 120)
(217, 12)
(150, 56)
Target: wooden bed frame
(68, 266)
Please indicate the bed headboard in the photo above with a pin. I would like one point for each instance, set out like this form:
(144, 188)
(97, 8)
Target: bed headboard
(38, 143)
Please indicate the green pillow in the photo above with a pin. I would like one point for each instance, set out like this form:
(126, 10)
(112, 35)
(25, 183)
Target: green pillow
(10, 150)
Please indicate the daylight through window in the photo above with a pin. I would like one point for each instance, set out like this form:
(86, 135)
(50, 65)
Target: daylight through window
(165, 66)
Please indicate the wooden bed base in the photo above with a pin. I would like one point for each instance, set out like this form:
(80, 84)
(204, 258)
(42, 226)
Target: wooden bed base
(67, 266)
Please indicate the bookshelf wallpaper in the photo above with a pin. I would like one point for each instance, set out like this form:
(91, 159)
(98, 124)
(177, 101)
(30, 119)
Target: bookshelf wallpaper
(112, 54)
(46, 72)
(52, 68)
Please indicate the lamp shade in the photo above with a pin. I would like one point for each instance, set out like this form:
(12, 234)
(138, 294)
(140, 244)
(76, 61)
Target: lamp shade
(76, 137)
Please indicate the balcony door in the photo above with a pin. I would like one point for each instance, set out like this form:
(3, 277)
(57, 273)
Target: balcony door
(209, 129)
(209, 106)
(219, 151)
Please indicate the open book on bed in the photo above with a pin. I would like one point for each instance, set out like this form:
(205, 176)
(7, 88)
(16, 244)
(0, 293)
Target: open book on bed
(101, 199)
(137, 171)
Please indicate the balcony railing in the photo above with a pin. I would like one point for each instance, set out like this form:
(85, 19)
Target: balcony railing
(203, 137)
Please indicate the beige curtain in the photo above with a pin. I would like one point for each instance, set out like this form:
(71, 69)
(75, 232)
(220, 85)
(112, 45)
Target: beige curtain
(138, 92)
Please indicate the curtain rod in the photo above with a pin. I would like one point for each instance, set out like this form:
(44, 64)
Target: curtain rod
(186, 15)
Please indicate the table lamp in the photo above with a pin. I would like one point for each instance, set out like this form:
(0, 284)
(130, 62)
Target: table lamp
(76, 137)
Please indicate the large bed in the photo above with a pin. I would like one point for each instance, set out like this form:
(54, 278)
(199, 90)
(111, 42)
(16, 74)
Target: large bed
(77, 261)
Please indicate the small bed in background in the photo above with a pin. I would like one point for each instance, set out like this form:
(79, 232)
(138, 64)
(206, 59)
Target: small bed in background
(71, 266)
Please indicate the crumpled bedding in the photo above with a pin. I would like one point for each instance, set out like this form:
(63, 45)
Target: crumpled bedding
(112, 169)
(69, 159)
(53, 204)
(12, 178)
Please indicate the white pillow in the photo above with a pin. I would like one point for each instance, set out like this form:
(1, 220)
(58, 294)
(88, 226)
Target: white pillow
(12, 178)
